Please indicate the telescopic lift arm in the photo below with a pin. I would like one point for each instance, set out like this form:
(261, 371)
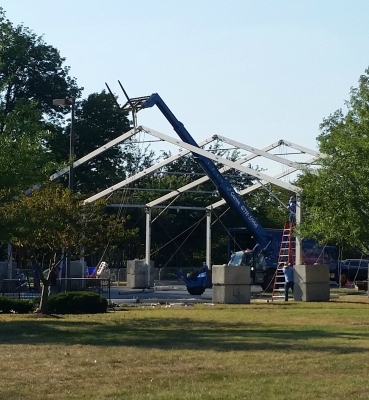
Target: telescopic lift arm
(266, 244)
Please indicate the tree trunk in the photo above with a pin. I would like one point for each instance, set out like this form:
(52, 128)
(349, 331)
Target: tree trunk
(44, 302)
(49, 287)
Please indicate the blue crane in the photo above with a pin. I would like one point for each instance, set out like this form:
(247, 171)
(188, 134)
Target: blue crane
(266, 243)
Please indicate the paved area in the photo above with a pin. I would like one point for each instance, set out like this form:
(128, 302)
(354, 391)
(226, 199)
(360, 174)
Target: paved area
(122, 295)
(170, 293)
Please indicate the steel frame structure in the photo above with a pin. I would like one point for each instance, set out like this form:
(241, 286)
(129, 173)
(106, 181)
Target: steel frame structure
(187, 149)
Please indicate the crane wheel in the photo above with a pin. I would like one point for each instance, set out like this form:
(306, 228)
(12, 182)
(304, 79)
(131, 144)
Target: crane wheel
(196, 291)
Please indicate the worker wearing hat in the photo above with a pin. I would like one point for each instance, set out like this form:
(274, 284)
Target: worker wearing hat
(292, 210)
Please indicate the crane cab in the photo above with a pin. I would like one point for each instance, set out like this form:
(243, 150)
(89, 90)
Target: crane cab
(255, 261)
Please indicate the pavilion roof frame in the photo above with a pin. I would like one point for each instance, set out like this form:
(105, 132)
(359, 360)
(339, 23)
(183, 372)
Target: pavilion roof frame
(229, 164)
(186, 149)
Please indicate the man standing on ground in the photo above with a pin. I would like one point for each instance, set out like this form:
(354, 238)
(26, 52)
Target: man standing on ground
(288, 277)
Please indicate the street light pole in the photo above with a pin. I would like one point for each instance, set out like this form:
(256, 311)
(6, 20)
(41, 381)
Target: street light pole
(71, 147)
(69, 102)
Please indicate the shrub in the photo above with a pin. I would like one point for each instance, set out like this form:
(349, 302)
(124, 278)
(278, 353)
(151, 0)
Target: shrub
(77, 303)
(8, 305)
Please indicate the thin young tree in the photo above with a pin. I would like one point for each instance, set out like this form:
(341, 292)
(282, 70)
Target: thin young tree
(53, 219)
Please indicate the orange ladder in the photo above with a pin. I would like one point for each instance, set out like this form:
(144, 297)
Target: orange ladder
(286, 254)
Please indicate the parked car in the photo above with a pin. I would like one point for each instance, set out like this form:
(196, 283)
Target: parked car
(354, 269)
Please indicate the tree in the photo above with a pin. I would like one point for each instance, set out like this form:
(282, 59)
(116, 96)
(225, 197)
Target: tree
(336, 194)
(30, 70)
(24, 160)
(52, 219)
(99, 120)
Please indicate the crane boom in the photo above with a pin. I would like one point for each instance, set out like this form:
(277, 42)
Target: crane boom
(266, 243)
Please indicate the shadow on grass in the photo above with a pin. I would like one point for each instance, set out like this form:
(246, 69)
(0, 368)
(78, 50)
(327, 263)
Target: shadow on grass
(178, 334)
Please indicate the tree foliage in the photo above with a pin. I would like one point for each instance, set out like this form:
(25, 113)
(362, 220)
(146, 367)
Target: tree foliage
(53, 219)
(30, 70)
(33, 71)
(336, 194)
(35, 141)
(24, 160)
(98, 120)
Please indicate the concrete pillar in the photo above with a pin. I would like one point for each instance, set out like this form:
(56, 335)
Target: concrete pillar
(137, 272)
(4, 269)
(231, 284)
(77, 269)
(312, 283)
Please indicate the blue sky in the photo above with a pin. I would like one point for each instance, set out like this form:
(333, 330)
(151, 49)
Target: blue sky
(255, 71)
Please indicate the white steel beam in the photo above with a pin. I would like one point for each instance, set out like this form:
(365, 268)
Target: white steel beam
(96, 152)
(258, 185)
(302, 148)
(261, 152)
(146, 171)
(148, 245)
(205, 178)
(258, 152)
(241, 161)
(194, 149)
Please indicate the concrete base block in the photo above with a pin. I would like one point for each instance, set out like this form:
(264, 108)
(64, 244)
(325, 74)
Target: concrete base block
(232, 294)
(4, 269)
(311, 273)
(137, 274)
(230, 275)
(311, 291)
(77, 270)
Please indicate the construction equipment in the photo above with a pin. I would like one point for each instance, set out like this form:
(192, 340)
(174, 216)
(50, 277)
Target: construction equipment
(262, 258)
(266, 243)
(312, 253)
(195, 287)
(286, 256)
(102, 271)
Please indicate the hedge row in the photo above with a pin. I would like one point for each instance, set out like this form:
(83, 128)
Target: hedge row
(77, 303)
(62, 303)
(8, 305)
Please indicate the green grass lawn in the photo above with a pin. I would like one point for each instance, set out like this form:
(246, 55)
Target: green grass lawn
(258, 351)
